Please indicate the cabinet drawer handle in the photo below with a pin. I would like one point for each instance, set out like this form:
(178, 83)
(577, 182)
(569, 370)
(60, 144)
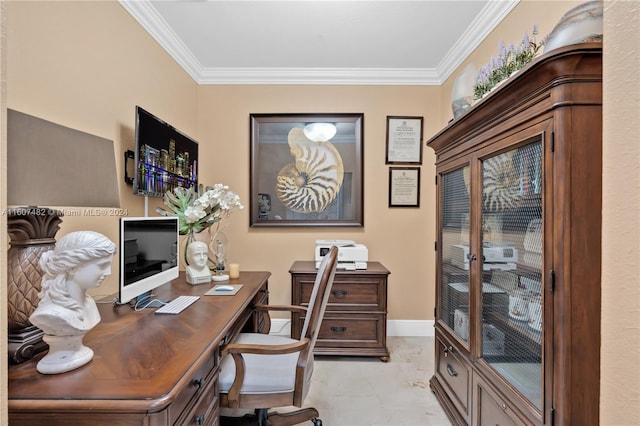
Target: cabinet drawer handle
(198, 383)
(199, 420)
(338, 329)
(340, 294)
(451, 371)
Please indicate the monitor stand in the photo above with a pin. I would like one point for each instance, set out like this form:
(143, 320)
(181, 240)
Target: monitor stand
(146, 300)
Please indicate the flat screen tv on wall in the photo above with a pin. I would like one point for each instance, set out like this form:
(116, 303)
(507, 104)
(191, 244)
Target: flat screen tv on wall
(165, 157)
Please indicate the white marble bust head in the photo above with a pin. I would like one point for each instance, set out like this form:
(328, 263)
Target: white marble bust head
(80, 261)
(198, 254)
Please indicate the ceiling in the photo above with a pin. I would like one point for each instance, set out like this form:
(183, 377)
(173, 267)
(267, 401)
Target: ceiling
(417, 42)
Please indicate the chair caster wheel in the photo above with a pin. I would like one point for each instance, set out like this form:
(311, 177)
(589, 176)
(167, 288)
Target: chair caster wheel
(316, 422)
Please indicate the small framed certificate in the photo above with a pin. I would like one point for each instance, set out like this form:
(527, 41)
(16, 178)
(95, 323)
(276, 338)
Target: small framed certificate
(404, 187)
(404, 140)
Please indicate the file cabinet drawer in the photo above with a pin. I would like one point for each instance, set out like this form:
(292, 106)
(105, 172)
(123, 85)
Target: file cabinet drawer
(349, 294)
(350, 330)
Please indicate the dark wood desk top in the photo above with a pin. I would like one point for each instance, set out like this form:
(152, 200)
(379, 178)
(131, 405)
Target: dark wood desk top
(140, 358)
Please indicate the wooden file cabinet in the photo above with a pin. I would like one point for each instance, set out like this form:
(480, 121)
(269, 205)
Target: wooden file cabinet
(355, 321)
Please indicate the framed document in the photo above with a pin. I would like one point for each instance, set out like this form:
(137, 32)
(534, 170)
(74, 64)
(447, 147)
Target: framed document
(404, 187)
(404, 140)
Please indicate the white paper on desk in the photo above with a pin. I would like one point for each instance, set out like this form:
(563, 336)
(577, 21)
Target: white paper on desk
(215, 292)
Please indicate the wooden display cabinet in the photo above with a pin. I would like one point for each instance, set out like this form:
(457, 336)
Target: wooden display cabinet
(519, 199)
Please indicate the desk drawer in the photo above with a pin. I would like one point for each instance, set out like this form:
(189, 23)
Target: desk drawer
(454, 374)
(199, 381)
(206, 409)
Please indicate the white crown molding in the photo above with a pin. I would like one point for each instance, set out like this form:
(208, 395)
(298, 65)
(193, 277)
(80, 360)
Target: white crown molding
(351, 76)
(149, 18)
(487, 20)
(490, 16)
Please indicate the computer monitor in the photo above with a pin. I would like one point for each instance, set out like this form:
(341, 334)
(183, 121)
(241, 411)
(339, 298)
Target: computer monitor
(148, 257)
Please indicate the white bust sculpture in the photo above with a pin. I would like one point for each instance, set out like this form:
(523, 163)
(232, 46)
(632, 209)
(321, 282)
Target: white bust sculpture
(81, 260)
(198, 272)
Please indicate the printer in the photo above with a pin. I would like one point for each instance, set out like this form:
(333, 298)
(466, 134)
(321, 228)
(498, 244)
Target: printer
(351, 256)
(500, 257)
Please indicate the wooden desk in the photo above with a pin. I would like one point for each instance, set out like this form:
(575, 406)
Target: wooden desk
(147, 369)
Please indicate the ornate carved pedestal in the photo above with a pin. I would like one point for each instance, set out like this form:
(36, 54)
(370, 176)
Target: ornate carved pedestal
(32, 231)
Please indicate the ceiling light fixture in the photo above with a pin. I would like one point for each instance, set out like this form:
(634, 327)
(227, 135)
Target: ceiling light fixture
(320, 132)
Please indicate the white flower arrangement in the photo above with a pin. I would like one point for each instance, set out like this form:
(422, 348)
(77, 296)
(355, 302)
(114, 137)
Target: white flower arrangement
(199, 210)
(508, 61)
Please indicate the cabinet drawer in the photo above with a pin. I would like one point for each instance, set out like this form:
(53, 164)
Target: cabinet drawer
(198, 381)
(352, 294)
(205, 410)
(490, 408)
(350, 330)
(454, 374)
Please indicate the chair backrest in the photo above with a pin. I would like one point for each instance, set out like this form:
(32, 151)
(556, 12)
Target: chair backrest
(320, 297)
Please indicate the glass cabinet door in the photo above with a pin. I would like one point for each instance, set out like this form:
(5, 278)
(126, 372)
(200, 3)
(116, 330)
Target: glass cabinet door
(512, 296)
(454, 251)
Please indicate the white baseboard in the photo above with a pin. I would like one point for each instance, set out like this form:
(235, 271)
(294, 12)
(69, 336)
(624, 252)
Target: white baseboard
(405, 328)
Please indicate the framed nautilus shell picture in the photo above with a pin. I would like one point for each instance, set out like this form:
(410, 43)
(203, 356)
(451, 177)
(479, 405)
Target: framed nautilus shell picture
(310, 169)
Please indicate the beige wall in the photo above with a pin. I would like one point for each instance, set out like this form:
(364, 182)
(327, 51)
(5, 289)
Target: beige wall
(87, 64)
(104, 66)
(402, 239)
(620, 386)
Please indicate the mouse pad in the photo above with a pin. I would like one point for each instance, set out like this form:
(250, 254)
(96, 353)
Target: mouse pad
(215, 292)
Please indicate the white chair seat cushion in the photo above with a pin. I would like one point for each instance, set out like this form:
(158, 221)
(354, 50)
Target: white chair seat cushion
(263, 373)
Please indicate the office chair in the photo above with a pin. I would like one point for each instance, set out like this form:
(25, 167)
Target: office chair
(265, 371)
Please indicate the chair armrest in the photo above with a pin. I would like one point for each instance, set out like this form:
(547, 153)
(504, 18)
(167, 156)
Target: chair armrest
(237, 349)
(290, 308)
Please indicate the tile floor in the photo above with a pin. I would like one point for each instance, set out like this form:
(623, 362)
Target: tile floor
(358, 391)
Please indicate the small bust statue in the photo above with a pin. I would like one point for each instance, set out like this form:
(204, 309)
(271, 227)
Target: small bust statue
(198, 272)
(81, 260)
